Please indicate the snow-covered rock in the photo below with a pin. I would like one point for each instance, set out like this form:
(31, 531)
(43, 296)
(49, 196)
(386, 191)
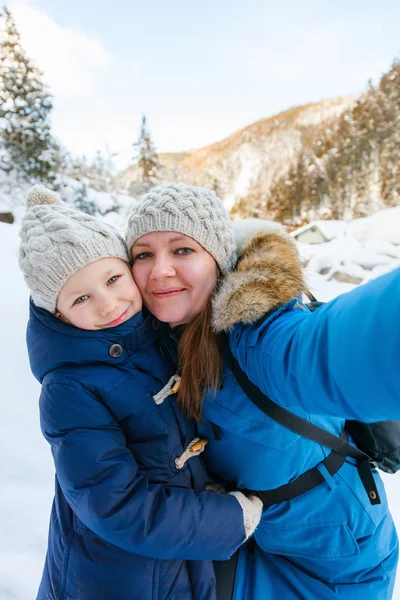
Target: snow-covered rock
(364, 249)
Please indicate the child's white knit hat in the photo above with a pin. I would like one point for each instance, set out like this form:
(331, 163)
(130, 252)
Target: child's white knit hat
(57, 241)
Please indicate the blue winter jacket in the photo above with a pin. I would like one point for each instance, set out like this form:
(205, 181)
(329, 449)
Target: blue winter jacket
(124, 516)
(339, 362)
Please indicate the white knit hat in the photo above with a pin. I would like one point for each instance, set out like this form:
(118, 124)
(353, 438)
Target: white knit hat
(57, 241)
(193, 211)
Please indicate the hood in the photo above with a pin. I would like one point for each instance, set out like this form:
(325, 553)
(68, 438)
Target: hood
(268, 275)
(53, 344)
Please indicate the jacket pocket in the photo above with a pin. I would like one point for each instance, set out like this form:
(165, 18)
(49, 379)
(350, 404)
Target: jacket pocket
(321, 542)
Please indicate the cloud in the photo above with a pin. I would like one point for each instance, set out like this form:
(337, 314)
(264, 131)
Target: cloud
(71, 61)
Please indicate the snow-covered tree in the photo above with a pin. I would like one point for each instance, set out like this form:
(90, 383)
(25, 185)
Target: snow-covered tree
(102, 172)
(82, 201)
(25, 106)
(352, 168)
(146, 157)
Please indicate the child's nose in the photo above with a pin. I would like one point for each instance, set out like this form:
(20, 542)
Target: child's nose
(107, 306)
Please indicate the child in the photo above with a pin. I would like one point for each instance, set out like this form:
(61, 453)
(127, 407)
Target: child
(116, 533)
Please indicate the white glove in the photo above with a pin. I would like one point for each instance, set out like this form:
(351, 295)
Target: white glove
(252, 508)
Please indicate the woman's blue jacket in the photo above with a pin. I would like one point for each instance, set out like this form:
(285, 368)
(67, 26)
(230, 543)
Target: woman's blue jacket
(339, 362)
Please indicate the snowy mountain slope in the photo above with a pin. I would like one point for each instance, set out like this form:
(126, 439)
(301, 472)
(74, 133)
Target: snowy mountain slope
(249, 160)
(26, 468)
(334, 159)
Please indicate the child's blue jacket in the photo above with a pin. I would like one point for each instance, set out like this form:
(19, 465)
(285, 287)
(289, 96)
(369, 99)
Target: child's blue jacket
(124, 517)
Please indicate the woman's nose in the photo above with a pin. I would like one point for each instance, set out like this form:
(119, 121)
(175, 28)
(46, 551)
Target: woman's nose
(162, 268)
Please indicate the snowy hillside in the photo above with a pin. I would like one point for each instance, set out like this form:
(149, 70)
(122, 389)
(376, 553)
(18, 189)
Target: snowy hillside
(334, 159)
(348, 170)
(247, 162)
(26, 468)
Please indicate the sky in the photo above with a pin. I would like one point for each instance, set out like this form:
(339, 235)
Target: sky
(198, 71)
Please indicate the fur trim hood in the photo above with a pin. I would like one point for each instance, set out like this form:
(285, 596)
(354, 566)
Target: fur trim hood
(268, 275)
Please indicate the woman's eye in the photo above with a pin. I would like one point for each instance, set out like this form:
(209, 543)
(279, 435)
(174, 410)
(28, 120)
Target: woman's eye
(113, 279)
(81, 299)
(184, 251)
(141, 256)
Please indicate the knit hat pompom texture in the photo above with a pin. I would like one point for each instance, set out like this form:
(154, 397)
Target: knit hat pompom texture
(57, 241)
(193, 211)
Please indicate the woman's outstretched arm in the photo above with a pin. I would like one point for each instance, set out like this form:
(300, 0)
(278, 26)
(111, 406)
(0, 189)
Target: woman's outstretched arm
(342, 359)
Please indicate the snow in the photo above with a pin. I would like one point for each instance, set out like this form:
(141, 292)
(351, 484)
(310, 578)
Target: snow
(329, 229)
(327, 109)
(105, 201)
(247, 161)
(26, 468)
(382, 226)
(364, 249)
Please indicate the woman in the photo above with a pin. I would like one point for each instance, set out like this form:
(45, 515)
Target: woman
(340, 362)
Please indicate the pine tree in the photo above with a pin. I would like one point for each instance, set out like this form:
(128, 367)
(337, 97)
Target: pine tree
(82, 202)
(102, 172)
(146, 157)
(25, 105)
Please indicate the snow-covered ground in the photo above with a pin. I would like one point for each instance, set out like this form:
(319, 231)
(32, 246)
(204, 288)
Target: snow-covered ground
(26, 468)
(364, 249)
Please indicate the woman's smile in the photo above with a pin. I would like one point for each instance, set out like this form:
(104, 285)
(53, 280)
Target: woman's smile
(169, 293)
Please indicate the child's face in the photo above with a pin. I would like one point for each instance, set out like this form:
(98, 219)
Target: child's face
(100, 295)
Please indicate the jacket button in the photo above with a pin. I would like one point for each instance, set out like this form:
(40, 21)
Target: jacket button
(115, 350)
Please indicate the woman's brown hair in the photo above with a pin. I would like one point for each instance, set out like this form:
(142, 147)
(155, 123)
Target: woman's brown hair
(200, 361)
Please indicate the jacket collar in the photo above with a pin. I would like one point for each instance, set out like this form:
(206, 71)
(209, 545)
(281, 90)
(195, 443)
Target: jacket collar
(269, 274)
(52, 343)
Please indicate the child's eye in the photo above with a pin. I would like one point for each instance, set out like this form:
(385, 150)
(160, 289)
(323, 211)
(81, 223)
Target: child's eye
(81, 299)
(184, 251)
(141, 256)
(113, 279)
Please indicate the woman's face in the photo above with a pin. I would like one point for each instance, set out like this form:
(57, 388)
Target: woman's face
(174, 274)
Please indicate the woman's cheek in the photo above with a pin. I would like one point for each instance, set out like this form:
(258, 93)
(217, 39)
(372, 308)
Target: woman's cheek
(138, 277)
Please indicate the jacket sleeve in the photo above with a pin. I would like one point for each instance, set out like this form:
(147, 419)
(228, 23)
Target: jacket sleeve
(100, 481)
(341, 360)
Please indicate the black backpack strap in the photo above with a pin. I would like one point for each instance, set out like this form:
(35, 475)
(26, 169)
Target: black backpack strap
(225, 575)
(305, 482)
(308, 430)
